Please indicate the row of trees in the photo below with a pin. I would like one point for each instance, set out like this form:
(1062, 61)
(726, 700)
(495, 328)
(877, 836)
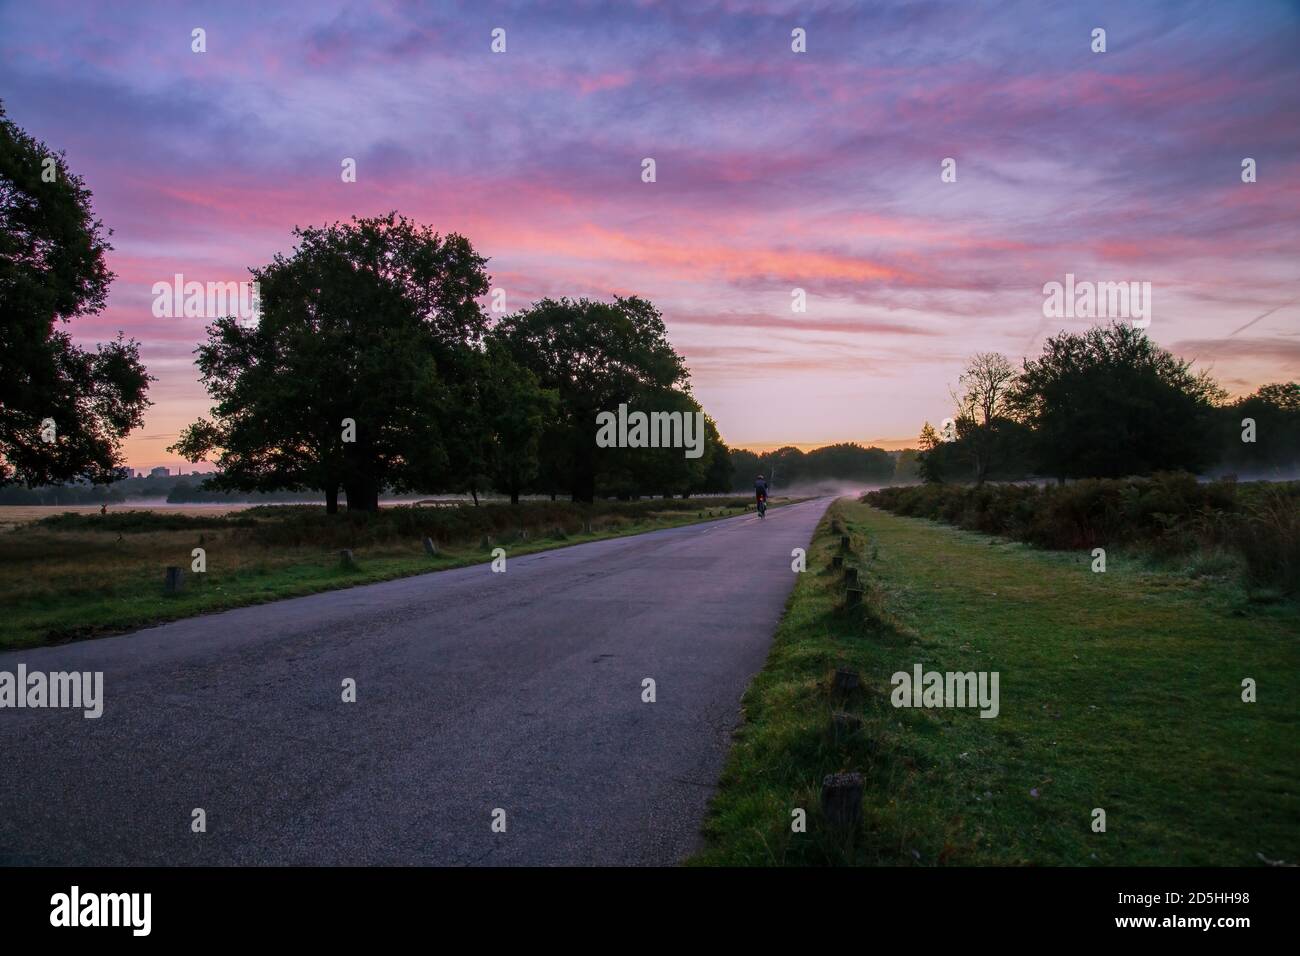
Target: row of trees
(373, 368)
(1106, 403)
(790, 467)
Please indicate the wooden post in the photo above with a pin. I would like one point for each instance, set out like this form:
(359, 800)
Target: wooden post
(846, 681)
(842, 799)
(430, 547)
(844, 542)
(174, 583)
(837, 561)
(844, 724)
(852, 597)
(346, 559)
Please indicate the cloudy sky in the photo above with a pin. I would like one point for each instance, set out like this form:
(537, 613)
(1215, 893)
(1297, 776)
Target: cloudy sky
(775, 170)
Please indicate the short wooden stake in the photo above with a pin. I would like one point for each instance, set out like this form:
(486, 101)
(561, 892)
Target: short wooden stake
(174, 583)
(844, 724)
(842, 799)
(846, 681)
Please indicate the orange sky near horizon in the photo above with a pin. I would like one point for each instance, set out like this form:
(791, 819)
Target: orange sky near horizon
(777, 173)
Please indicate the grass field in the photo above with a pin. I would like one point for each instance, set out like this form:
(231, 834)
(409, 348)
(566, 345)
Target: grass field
(85, 575)
(1120, 691)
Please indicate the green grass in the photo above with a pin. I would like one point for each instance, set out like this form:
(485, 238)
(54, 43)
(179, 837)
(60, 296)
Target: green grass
(1119, 690)
(88, 576)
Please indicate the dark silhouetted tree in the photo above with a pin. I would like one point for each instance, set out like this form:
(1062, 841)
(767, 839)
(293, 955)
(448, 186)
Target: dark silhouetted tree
(372, 321)
(848, 462)
(981, 399)
(745, 467)
(63, 410)
(1271, 416)
(1108, 403)
(594, 356)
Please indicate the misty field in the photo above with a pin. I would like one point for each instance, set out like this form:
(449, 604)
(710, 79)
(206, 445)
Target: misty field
(77, 573)
(11, 516)
(1119, 692)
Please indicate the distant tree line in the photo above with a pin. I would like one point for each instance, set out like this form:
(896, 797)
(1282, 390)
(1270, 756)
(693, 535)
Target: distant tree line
(175, 489)
(1106, 403)
(789, 467)
(66, 494)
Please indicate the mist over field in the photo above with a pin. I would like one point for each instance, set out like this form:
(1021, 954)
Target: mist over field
(828, 487)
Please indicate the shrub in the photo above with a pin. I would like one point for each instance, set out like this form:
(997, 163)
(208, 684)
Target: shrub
(1269, 538)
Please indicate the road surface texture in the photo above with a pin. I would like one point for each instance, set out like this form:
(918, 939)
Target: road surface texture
(476, 691)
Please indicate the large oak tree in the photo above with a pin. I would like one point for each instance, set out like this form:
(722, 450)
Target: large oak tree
(349, 377)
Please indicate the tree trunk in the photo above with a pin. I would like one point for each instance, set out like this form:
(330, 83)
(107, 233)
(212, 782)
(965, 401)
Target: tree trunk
(363, 495)
(514, 496)
(332, 499)
(474, 493)
(584, 482)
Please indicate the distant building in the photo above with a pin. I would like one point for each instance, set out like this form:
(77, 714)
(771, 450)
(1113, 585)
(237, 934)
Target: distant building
(130, 472)
(159, 472)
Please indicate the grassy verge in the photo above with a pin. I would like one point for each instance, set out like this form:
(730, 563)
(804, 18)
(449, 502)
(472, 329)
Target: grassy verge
(78, 576)
(1246, 530)
(1120, 691)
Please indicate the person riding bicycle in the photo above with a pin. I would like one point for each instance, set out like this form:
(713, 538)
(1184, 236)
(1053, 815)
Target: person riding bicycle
(760, 490)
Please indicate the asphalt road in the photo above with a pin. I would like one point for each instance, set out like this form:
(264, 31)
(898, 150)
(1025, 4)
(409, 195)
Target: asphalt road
(476, 691)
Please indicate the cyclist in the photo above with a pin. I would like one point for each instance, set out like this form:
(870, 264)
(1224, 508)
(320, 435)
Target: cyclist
(760, 494)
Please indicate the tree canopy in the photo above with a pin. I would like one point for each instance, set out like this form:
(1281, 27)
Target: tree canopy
(1105, 403)
(1109, 402)
(595, 356)
(373, 367)
(351, 374)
